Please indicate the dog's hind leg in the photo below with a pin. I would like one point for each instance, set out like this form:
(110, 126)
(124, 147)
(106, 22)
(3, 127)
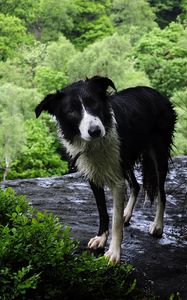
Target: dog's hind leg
(99, 241)
(134, 190)
(160, 160)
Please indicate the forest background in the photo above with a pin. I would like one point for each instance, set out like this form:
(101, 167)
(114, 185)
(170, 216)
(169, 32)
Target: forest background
(47, 44)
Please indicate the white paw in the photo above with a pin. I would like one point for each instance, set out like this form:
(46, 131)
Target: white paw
(156, 230)
(98, 241)
(113, 255)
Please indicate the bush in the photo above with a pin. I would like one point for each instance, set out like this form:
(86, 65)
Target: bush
(39, 260)
(162, 55)
(179, 99)
(41, 154)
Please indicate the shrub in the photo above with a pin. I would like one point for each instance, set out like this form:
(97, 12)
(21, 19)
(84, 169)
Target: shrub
(39, 259)
(41, 154)
(162, 55)
(179, 99)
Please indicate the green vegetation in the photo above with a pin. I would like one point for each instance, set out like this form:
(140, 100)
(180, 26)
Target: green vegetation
(39, 260)
(47, 44)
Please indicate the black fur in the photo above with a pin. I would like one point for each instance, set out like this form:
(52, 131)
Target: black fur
(146, 121)
(145, 125)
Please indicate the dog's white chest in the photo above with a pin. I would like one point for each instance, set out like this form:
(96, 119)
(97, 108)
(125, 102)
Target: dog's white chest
(99, 160)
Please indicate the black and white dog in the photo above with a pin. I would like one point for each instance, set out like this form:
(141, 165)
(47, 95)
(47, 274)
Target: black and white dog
(106, 134)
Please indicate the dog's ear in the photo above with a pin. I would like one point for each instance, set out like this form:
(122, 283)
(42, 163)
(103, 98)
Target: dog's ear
(102, 83)
(48, 104)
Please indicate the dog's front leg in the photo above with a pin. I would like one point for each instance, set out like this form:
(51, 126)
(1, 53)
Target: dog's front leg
(99, 241)
(119, 196)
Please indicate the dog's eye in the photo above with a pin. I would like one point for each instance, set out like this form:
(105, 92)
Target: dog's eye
(71, 114)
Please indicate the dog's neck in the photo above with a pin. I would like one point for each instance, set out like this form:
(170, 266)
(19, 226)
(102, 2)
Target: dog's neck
(78, 146)
(99, 159)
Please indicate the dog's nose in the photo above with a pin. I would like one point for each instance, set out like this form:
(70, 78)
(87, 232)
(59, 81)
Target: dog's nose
(94, 131)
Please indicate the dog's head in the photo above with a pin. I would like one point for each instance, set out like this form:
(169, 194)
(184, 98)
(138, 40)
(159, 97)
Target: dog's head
(82, 108)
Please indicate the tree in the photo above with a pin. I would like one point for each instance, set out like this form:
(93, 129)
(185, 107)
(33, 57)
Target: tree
(20, 70)
(90, 22)
(52, 18)
(12, 35)
(12, 138)
(168, 10)
(16, 105)
(162, 54)
(180, 101)
(24, 10)
(109, 57)
(58, 53)
(17, 100)
(30, 56)
(48, 80)
(183, 16)
(40, 156)
(134, 17)
(27, 147)
(11, 71)
(51, 73)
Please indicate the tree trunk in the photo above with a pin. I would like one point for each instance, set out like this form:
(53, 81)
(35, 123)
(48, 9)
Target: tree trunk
(7, 164)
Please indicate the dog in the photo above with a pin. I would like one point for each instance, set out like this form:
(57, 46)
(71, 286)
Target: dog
(105, 134)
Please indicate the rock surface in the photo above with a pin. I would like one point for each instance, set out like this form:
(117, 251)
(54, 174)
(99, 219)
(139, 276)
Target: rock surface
(160, 263)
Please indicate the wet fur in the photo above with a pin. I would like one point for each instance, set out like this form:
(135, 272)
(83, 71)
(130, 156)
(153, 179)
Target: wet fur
(106, 134)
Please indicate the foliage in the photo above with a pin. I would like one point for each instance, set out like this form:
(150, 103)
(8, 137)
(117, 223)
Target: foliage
(108, 57)
(39, 261)
(134, 17)
(21, 69)
(180, 101)
(58, 54)
(12, 71)
(15, 103)
(31, 56)
(12, 137)
(40, 156)
(48, 80)
(47, 44)
(27, 147)
(51, 74)
(162, 55)
(9, 202)
(53, 17)
(24, 10)
(168, 10)
(90, 23)
(171, 75)
(12, 35)
(15, 99)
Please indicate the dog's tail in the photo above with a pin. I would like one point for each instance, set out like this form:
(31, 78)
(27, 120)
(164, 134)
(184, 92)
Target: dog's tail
(155, 161)
(157, 153)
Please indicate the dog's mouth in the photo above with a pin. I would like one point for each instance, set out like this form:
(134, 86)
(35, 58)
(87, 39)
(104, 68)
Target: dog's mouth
(92, 138)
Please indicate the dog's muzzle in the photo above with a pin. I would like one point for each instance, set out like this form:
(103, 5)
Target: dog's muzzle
(94, 131)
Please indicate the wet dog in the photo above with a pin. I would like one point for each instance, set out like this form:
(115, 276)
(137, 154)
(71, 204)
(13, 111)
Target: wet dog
(106, 134)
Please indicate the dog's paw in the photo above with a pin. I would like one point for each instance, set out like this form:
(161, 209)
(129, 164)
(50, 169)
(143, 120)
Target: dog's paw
(98, 241)
(113, 256)
(156, 230)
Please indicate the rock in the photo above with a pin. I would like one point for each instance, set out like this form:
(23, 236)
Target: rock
(163, 262)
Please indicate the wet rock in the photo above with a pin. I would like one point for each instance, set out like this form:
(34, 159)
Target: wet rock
(162, 263)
